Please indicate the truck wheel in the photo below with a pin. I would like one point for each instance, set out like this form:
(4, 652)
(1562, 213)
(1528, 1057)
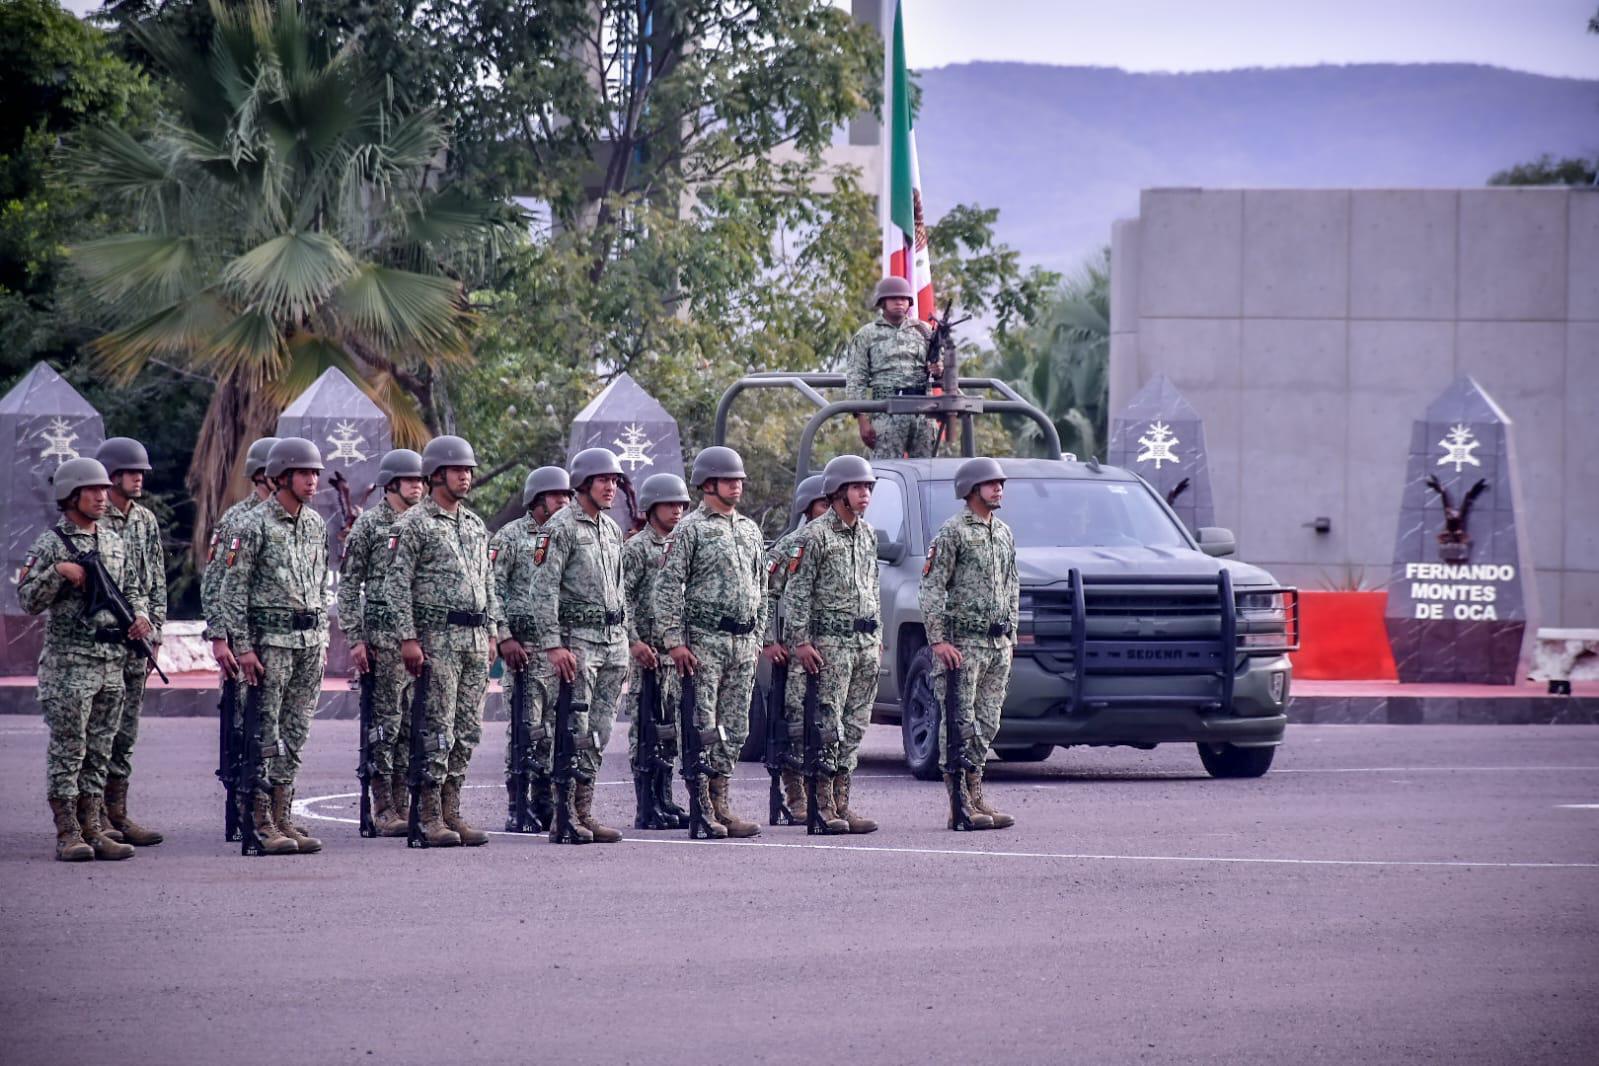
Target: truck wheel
(919, 719)
(1026, 753)
(1229, 760)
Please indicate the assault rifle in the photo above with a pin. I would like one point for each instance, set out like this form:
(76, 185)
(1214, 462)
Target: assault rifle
(416, 769)
(522, 815)
(566, 772)
(779, 749)
(956, 761)
(814, 822)
(247, 771)
(100, 593)
(349, 510)
(652, 777)
(695, 768)
(371, 735)
(943, 353)
(230, 749)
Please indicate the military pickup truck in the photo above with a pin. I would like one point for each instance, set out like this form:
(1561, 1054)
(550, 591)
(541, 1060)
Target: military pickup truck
(1133, 630)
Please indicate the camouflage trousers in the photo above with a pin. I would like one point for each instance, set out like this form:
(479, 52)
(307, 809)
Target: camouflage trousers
(81, 695)
(289, 693)
(984, 679)
(135, 673)
(723, 684)
(671, 694)
(601, 671)
(541, 693)
(904, 435)
(845, 689)
(459, 677)
(391, 706)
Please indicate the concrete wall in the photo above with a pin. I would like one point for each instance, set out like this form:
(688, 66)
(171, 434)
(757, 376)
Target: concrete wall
(1310, 327)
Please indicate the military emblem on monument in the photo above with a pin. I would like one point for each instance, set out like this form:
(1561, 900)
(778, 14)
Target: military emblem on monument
(1458, 447)
(1158, 444)
(635, 445)
(346, 441)
(1454, 543)
(59, 436)
(1161, 437)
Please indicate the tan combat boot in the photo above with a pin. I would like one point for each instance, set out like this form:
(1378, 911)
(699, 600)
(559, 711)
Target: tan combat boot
(962, 815)
(116, 809)
(91, 819)
(470, 835)
(974, 788)
(273, 840)
(565, 801)
(70, 846)
(282, 802)
(794, 794)
(437, 833)
(858, 823)
(384, 814)
(702, 791)
(583, 800)
(825, 806)
(720, 803)
(400, 824)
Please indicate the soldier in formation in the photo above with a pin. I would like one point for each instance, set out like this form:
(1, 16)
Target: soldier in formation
(888, 358)
(127, 462)
(969, 597)
(580, 625)
(448, 619)
(368, 624)
(710, 598)
(82, 665)
(255, 462)
(831, 610)
(546, 490)
(273, 610)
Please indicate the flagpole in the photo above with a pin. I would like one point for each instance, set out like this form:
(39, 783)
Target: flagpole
(885, 200)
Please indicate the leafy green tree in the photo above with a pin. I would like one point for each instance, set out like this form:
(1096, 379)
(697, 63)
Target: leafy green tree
(1546, 170)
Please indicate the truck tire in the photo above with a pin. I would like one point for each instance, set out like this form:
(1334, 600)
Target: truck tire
(1229, 760)
(1025, 752)
(919, 719)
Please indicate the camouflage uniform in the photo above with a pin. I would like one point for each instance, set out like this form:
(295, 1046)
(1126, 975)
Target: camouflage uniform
(577, 605)
(777, 572)
(883, 361)
(80, 677)
(641, 564)
(211, 577)
(440, 566)
(511, 552)
(273, 601)
(832, 586)
(365, 617)
(141, 536)
(969, 587)
(714, 571)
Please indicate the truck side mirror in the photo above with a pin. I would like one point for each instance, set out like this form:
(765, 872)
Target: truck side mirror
(1214, 540)
(890, 551)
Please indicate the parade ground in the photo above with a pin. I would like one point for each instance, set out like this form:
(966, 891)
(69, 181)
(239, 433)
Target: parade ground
(1385, 894)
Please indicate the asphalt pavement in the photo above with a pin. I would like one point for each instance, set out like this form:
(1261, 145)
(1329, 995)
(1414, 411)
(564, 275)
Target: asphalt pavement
(1385, 894)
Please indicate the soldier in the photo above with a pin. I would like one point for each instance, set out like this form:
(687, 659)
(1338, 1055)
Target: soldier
(128, 462)
(889, 358)
(831, 609)
(368, 625)
(969, 598)
(580, 622)
(255, 462)
(810, 502)
(546, 491)
(712, 609)
(81, 666)
(273, 606)
(441, 590)
(663, 499)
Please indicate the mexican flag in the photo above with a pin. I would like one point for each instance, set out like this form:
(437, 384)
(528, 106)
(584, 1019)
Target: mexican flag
(904, 230)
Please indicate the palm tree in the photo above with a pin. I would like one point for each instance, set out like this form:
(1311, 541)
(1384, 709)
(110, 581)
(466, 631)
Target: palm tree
(282, 219)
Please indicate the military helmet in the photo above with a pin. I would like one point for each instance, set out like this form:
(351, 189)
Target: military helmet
(399, 462)
(544, 479)
(846, 470)
(661, 488)
(808, 492)
(446, 451)
(255, 460)
(974, 472)
(891, 286)
(293, 453)
(716, 461)
(122, 453)
(593, 462)
(75, 474)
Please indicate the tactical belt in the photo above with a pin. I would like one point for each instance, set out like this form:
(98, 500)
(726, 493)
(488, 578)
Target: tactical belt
(843, 627)
(979, 629)
(885, 392)
(282, 620)
(430, 617)
(705, 617)
(588, 614)
(110, 636)
(470, 619)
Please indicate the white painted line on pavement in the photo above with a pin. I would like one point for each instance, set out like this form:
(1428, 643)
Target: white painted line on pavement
(1578, 806)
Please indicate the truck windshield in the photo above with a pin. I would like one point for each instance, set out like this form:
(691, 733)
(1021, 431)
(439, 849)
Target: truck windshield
(1053, 513)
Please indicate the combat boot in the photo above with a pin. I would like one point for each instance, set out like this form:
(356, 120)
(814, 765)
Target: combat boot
(962, 815)
(70, 846)
(794, 794)
(583, 800)
(566, 811)
(721, 804)
(273, 840)
(470, 835)
(400, 824)
(826, 808)
(282, 802)
(646, 810)
(974, 788)
(541, 791)
(702, 792)
(91, 819)
(116, 809)
(437, 833)
(676, 816)
(858, 823)
(382, 804)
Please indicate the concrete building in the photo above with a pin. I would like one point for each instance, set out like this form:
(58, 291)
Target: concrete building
(1310, 327)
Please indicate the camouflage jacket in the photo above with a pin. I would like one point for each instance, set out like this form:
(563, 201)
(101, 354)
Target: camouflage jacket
(713, 569)
(441, 564)
(275, 569)
(42, 590)
(577, 579)
(776, 578)
(511, 552)
(364, 614)
(969, 582)
(641, 565)
(141, 535)
(832, 583)
(882, 359)
(211, 577)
